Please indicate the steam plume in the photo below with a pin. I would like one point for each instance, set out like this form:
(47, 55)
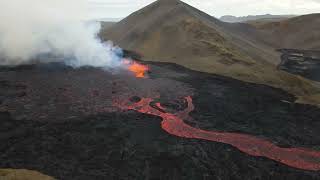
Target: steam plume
(31, 28)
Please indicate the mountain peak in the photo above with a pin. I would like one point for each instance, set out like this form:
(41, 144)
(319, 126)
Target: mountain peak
(169, 1)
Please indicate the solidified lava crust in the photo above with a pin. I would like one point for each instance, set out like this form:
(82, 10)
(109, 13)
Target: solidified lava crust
(300, 158)
(66, 123)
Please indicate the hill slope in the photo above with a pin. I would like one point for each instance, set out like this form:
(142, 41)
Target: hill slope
(302, 32)
(172, 31)
(266, 17)
(22, 174)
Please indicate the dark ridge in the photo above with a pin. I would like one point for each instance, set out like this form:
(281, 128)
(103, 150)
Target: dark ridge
(305, 63)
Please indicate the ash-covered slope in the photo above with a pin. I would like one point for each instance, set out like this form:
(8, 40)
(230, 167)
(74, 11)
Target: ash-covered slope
(302, 32)
(172, 31)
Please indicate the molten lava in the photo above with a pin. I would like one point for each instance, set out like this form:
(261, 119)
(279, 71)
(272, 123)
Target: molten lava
(173, 124)
(138, 69)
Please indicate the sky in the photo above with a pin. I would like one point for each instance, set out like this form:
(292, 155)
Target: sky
(217, 8)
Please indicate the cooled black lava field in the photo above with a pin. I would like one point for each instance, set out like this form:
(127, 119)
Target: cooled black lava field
(65, 123)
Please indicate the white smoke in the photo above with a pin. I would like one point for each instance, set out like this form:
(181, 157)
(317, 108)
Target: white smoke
(31, 28)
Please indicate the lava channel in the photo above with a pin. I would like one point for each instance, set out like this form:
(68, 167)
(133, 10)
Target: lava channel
(300, 158)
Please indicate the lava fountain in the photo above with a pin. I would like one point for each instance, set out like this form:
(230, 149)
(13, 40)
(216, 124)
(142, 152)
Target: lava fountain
(300, 158)
(138, 69)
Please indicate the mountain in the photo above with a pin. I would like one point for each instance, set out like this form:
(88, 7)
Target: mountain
(302, 32)
(266, 18)
(172, 31)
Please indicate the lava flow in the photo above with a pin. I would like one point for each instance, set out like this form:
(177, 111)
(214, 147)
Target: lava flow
(138, 69)
(173, 124)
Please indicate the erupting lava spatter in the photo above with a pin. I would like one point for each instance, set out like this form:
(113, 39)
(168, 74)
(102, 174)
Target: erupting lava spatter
(173, 124)
(138, 69)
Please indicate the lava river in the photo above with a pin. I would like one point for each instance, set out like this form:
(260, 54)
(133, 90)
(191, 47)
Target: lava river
(173, 124)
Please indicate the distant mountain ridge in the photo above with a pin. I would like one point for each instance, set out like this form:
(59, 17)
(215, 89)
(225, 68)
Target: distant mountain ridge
(235, 19)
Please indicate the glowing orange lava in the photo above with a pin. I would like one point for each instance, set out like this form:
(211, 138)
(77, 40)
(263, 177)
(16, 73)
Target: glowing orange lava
(301, 158)
(138, 69)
